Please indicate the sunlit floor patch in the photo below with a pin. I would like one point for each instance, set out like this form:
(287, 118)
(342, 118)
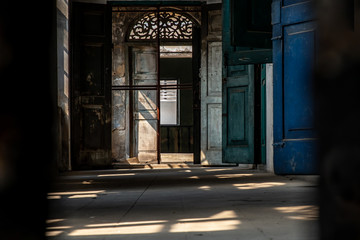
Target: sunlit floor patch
(116, 175)
(223, 221)
(249, 186)
(305, 212)
(227, 176)
(53, 233)
(72, 195)
(119, 230)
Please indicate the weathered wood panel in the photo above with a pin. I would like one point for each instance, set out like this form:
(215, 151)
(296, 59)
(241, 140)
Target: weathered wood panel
(145, 109)
(211, 72)
(91, 110)
(213, 132)
(214, 71)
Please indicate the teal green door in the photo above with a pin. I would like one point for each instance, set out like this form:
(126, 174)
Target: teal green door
(246, 41)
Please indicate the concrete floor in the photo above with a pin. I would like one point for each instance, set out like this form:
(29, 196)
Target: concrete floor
(185, 203)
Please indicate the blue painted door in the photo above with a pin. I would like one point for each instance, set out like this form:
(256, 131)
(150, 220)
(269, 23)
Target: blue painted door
(246, 41)
(294, 40)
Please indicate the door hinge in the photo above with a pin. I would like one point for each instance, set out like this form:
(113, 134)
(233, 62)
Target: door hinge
(279, 144)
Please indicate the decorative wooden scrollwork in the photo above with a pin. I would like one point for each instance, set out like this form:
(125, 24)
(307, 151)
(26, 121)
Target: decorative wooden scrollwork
(172, 25)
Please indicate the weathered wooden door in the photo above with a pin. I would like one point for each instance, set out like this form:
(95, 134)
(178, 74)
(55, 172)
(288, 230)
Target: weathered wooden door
(211, 67)
(144, 72)
(294, 54)
(246, 41)
(90, 88)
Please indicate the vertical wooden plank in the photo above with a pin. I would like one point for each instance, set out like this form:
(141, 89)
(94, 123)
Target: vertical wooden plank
(211, 69)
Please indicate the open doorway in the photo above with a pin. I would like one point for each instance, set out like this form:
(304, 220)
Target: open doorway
(176, 104)
(155, 81)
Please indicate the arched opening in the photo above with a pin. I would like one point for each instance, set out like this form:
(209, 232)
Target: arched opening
(159, 87)
(173, 27)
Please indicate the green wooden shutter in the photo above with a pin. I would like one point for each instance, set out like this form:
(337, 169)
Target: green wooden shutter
(251, 23)
(246, 41)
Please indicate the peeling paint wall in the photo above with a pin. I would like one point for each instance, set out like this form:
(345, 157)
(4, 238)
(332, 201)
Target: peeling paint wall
(63, 161)
(120, 99)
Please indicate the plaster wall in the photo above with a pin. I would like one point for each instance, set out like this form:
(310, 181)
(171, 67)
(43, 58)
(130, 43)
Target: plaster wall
(63, 101)
(120, 99)
(269, 119)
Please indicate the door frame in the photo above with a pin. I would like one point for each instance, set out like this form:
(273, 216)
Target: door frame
(128, 72)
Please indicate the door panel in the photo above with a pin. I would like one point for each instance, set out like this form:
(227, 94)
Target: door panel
(214, 133)
(238, 116)
(294, 34)
(92, 67)
(92, 127)
(298, 106)
(144, 65)
(215, 62)
(211, 66)
(91, 104)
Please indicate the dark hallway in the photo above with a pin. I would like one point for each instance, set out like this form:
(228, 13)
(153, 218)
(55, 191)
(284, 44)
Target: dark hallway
(184, 203)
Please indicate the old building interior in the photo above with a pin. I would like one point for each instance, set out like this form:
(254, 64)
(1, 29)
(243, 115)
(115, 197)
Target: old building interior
(138, 95)
(179, 119)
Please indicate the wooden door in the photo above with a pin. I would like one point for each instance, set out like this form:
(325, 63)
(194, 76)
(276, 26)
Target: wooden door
(211, 67)
(145, 122)
(246, 41)
(90, 88)
(294, 34)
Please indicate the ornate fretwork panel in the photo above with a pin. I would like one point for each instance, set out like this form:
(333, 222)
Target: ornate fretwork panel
(173, 26)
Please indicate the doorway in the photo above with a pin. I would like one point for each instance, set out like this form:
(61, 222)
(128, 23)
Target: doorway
(176, 104)
(155, 81)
